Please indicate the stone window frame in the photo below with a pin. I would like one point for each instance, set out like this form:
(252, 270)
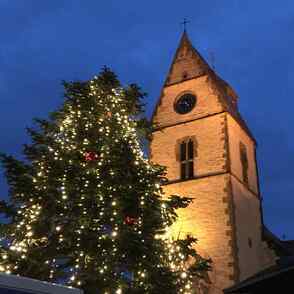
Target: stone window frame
(244, 162)
(188, 161)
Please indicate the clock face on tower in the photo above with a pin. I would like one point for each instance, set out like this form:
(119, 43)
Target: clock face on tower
(185, 103)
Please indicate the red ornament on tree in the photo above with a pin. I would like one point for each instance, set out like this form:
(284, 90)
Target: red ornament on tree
(130, 220)
(109, 114)
(90, 156)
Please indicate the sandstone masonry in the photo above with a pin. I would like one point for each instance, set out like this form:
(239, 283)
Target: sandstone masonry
(226, 213)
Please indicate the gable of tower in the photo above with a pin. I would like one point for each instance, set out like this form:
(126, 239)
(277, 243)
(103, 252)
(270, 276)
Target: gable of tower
(190, 73)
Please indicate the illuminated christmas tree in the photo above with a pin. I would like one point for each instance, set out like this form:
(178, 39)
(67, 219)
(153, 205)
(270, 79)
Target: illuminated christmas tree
(86, 208)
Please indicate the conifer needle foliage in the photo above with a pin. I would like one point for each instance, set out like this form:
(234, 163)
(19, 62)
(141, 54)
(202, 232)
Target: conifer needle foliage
(86, 208)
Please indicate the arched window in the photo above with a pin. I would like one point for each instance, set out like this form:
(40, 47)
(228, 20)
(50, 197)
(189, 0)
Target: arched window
(187, 159)
(244, 162)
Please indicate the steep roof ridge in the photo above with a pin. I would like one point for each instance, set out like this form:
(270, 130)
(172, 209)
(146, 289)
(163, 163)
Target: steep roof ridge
(229, 100)
(187, 55)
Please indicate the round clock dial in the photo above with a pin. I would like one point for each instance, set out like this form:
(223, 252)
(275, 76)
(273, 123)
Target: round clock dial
(185, 103)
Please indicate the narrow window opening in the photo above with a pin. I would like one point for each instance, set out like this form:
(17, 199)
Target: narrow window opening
(244, 162)
(250, 242)
(183, 151)
(190, 169)
(187, 157)
(190, 150)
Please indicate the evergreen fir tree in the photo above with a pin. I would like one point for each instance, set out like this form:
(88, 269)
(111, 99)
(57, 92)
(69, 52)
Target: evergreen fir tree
(86, 208)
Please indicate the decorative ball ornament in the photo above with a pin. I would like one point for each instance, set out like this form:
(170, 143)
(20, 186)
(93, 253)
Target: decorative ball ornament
(109, 114)
(130, 220)
(91, 156)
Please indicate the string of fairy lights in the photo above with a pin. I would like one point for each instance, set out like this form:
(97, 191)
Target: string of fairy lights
(66, 142)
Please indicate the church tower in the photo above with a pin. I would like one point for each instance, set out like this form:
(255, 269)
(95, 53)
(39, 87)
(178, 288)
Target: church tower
(210, 155)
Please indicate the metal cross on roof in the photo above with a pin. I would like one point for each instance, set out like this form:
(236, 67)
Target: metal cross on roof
(184, 23)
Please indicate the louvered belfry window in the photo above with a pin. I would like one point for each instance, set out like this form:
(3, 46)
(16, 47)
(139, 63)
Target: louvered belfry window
(186, 158)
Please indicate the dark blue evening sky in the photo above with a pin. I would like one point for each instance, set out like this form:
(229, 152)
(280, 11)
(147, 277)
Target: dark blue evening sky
(44, 42)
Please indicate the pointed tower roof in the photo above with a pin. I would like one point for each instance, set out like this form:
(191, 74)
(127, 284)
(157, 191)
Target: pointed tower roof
(187, 63)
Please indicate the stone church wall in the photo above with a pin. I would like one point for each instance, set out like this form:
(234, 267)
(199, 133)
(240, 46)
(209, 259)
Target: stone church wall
(236, 136)
(208, 219)
(248, 229)
(253, 254)
(208, 134)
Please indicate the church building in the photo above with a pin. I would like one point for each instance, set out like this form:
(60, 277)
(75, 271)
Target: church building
(210, 155)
